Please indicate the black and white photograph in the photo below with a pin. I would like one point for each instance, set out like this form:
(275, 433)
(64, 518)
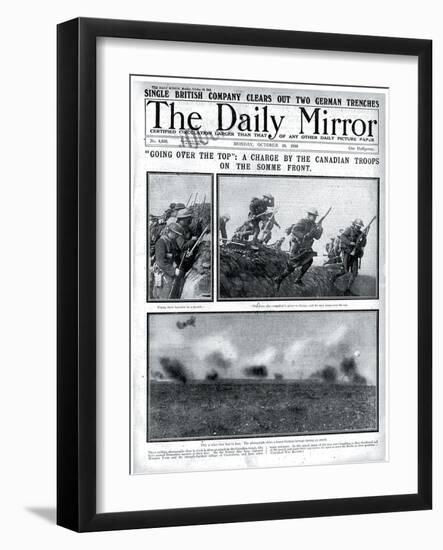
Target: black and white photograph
(236, 375)
(298, 237)
(179, 242)
(222, 229)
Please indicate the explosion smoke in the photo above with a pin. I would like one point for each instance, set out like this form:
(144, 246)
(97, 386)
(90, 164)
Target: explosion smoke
(359, 379)
(257, 371)
(175, 369)
(327, 374)
(217, 359)
(348, 366)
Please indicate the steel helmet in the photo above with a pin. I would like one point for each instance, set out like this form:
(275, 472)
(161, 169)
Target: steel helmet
(358, 221)
(312, 211)
(268, 196)
(175, 228)
(184, 213)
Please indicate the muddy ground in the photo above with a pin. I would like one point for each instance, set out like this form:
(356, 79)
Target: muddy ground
(251, 272)
(200, 409)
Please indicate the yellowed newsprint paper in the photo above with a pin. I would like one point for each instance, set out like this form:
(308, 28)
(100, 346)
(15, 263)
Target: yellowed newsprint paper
(258, 274)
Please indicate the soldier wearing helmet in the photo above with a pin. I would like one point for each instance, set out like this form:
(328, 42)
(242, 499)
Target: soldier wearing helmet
(168, 212)
(352, 243)
(222, 227)
(269, 199)
(337, 242)
(302, 235)
(257, 212)
(331, 251)
(184, 219)
(166, 259)
(174, 209)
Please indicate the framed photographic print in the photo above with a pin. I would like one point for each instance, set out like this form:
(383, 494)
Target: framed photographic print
(244, 274)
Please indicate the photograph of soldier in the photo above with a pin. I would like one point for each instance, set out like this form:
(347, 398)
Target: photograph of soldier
(179, 243)
(258, 212)
(352, 244)
(267, 224)
(223, 220)
(166, 261)
(243, 232)
(285, 237)
(302, 236)
(333, 249)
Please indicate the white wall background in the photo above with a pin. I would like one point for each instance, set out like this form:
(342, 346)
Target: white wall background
(27, 274)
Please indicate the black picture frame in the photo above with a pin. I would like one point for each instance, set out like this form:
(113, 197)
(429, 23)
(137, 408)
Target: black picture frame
(76, 282)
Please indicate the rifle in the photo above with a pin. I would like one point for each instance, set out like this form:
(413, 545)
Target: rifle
(317, 225)
(176, 288)
(189, 253)
(363, 233)
(320, 221)
(257, 216)
(201, 207)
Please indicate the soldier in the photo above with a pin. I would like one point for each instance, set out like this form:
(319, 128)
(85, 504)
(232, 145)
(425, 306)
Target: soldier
(301, 255)
(222, 226)
(337, 242)
(168, 212)
(243, 232)
(257, 210)
(166, 260)
(330, 251)
(267, 225)
(156, 228)
(172, 218)
(184, 219)
(333, 249)
(352, 244)
(158, 224)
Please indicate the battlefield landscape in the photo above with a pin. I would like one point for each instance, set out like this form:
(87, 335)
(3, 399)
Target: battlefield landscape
(240, 374)
(274, 245)
(240, 408)
(248, 272)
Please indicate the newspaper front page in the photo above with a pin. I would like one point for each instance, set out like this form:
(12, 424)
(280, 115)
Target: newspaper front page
(258, 270)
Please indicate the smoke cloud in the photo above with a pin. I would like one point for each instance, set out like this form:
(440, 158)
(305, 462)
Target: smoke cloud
(174, 369)
(359, 379)
(217, 359)
(348, 366)
(266, 357)
(327, 374)
(221, 354)
(257, 371)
